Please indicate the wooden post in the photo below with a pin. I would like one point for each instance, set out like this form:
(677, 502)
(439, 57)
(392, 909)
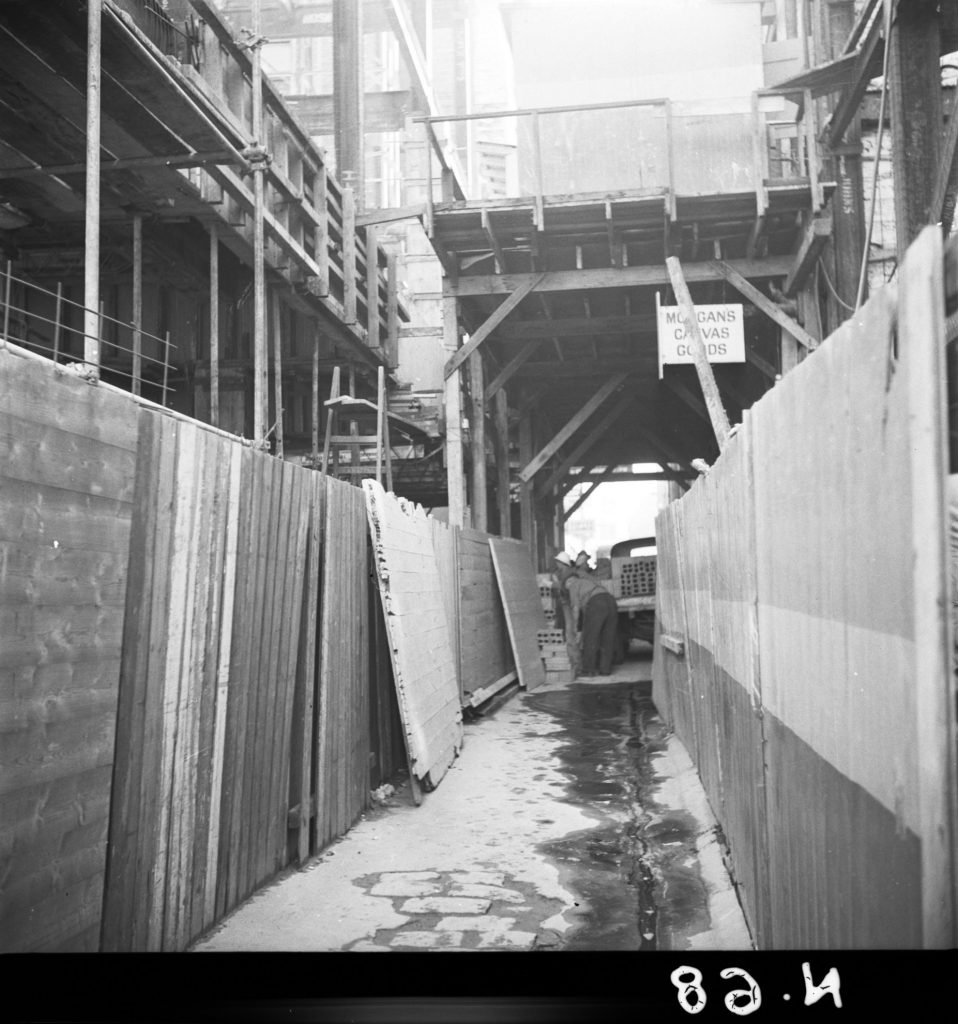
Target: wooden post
(526, 504)
(330, 417)
(58, 322)
(788, 351)
(380, 418)
(278, 372)
(166, 364)
(392, 310)
(710, 391)
(428, 219)
(6, 302)
(455, 480)
(91, 245)
(916, 115)
(137, 301)
(477, 422)
(259, 166)
(502, 463)
(537, 158)
(387, 444)
(349, 256)
(354, 453)
(315, 410)
(372, 287)
(214, 325)
(348, 93)
(830, 32)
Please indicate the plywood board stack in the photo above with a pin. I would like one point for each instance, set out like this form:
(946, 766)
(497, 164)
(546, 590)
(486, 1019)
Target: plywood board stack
(520, 598)
(412, 597)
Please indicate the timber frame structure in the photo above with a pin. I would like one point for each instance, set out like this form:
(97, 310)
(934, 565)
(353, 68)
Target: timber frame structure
(558, 296)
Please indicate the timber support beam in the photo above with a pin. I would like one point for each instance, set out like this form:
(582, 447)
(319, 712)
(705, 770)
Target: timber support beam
(490, 324)
(539, 460)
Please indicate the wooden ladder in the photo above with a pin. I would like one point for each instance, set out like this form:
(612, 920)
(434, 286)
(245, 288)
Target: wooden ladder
(352, 411)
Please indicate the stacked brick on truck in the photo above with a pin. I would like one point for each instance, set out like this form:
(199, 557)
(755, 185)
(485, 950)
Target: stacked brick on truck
(633, 587)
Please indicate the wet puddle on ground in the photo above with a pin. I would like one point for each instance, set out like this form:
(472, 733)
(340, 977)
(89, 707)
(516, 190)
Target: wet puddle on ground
(604, 749)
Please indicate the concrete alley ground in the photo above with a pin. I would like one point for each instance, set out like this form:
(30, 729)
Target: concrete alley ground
(570, 821)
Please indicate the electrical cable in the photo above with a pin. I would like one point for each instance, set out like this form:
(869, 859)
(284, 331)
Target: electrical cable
(828, 281)
(889, 4)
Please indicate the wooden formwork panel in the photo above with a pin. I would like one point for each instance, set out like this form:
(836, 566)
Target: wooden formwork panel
(519, 590)
(67, 463)
(445, 543)
(422, 654)
(485, 651)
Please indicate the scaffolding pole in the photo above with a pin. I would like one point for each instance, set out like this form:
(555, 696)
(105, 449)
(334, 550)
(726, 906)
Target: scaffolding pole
(91, 248)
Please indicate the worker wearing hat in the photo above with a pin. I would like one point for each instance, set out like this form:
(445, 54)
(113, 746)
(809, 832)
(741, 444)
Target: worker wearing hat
(599, 612)
(581, 564)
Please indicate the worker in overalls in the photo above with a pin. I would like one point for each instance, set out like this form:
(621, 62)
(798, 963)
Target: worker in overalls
(599, 613)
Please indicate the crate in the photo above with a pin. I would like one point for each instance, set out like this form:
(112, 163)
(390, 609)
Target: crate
(565, 675)
(550, 636)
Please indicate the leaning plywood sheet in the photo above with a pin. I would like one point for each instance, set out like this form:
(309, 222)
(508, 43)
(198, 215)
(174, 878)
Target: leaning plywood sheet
(422, 655)
(523, 605)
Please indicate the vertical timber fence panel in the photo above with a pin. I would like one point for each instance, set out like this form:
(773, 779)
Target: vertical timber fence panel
(185, 661)
(204, 726)
(342, 740)
(821, 714)
(67, 458)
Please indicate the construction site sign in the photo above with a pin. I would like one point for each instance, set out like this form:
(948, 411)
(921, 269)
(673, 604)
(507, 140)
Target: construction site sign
(722, 327)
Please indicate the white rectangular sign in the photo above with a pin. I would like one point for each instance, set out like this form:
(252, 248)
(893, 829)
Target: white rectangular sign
(722, 330)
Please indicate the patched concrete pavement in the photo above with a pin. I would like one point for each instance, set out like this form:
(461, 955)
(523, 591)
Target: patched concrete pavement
(570, 820)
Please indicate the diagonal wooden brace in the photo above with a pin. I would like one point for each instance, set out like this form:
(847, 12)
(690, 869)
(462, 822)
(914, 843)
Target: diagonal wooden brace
(765, 304)
(529, 471)
(490, 324)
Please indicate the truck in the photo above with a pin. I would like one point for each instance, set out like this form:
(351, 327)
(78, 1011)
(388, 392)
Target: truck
(633, 587)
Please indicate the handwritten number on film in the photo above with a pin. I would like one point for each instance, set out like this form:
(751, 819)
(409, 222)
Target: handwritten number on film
(746, 1000)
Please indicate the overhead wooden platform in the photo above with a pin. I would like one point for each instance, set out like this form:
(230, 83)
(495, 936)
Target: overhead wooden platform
(587, 270)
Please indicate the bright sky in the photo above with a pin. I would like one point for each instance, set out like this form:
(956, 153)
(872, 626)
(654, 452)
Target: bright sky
(614, 512)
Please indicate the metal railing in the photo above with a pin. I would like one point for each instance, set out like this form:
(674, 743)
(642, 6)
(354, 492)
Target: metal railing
(180, 41)
(647, 144)
(48, 331)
